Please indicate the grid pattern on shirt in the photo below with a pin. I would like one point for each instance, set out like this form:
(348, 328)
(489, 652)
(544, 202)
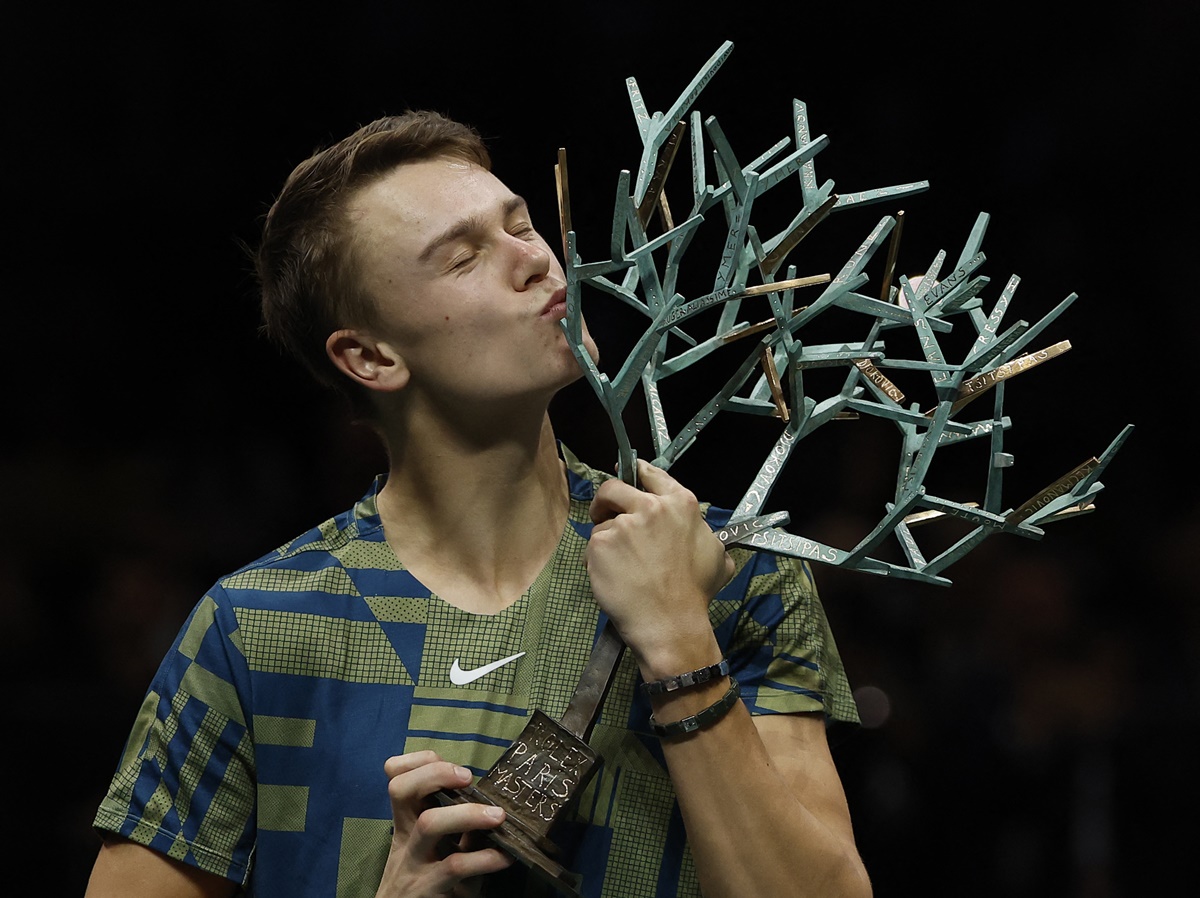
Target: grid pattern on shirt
(333, 580)
(355, 651)
(399, 609)
(362, 553)
(472, 640)
(364, 853)
(568, 610)
(320, 636)
(171, 820)
(642, 808)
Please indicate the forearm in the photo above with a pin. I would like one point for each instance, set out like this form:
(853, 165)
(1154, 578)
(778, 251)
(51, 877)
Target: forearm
(761, 799)
(759, 821)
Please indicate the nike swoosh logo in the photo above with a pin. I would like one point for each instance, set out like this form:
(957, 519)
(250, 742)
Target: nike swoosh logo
(460, 677)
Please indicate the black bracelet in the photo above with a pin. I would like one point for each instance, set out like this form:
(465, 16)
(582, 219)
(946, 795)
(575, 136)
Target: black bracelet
(691, 678)
(707, 717)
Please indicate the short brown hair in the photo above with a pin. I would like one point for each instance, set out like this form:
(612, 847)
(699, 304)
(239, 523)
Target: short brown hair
(304, 262)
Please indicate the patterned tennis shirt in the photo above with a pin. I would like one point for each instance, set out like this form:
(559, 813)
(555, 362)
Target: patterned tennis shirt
(258, 751)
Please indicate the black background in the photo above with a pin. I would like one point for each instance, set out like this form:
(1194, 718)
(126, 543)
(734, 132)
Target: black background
(1040, 711)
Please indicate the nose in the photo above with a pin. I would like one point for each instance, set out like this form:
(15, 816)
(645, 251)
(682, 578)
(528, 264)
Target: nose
(531, 264)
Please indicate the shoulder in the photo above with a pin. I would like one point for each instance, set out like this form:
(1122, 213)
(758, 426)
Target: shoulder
(332, 558)
(582, 479)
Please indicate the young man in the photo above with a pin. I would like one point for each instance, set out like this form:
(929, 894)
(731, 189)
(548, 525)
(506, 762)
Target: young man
(317, 699)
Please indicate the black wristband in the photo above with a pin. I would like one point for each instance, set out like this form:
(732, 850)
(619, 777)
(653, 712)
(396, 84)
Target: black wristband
(701, 719)
(691, 678)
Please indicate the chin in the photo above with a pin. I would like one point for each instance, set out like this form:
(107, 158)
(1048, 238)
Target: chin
(592, 349)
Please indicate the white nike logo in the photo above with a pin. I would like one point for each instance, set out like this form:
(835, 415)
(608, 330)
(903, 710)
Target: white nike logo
(460, 677)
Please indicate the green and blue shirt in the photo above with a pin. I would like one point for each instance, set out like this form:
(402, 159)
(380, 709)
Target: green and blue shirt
(258, 751)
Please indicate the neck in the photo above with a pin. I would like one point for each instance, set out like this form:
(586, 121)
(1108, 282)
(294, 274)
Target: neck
(475, 520)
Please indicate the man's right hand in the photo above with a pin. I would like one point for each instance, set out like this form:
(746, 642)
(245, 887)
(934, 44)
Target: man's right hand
(432, 853)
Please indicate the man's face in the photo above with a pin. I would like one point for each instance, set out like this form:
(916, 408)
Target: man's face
(468, 292)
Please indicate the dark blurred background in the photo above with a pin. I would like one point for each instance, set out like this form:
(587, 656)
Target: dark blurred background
(1029, 727)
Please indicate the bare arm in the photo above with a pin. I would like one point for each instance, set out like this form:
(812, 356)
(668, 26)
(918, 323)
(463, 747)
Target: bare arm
(764, 808)
(125, 869)
(761, 799)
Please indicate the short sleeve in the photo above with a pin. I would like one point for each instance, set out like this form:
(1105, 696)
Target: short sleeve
(185, 784)
(773, 627)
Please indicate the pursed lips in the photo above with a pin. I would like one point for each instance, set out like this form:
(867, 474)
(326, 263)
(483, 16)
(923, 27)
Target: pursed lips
(556, 307)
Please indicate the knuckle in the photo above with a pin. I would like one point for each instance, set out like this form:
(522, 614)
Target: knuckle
(396, 790)
(684, 502)
(456, 866)
(425, 826)
(398, 764)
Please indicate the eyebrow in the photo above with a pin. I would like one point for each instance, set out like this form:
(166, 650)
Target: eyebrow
(467, 225)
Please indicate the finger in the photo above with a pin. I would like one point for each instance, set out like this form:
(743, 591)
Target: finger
(655, 480)
(438, 838)
(468, 865)
(398, 764)
(410, 790)
(439, 825)
(485, 857)
(421, 782)
(614, 497)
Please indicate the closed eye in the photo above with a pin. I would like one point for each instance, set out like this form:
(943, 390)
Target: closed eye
(461, 262)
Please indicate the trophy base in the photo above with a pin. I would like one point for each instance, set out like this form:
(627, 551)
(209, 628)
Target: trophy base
(517, 842)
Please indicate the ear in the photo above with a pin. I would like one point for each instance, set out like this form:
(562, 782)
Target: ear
(367, 361)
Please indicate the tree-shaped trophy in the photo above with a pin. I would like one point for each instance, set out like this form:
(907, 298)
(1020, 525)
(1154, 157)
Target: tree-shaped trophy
(550, 763)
